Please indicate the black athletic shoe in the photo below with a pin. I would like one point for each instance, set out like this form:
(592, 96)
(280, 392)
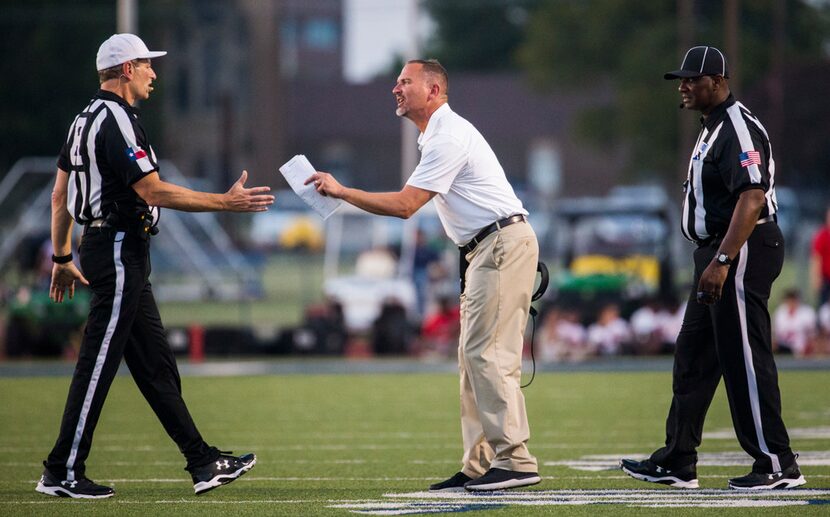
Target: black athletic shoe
(647, 470)
(788, 478)
(225, 469)
(453, 484)
(497, 479)
(77, 489)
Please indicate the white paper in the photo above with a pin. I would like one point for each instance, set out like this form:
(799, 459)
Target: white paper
(296, 171)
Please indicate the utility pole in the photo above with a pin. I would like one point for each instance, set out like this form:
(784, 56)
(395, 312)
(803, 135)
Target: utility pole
(127, 16)
(685, 35)
(409, 132)
(732, 38)
(776, 83)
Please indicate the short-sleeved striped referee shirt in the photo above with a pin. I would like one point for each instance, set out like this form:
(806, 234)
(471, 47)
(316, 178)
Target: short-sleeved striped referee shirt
(732, 154)
(105, 153)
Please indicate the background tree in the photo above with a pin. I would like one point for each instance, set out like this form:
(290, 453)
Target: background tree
(48, 69)
(478, 34)
(626, 46)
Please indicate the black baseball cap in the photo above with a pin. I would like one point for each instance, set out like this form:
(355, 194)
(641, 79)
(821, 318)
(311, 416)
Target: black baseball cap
(700, 61)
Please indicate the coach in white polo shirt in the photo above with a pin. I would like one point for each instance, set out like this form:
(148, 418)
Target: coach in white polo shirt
(482, 215)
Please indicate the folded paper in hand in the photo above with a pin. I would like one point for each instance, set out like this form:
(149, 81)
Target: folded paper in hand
(296, 171)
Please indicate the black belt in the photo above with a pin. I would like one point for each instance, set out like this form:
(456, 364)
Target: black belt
(100, 225)
(716, 239)
(487, 230)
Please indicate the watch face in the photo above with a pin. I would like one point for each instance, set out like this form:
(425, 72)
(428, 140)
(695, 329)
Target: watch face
(723, 258)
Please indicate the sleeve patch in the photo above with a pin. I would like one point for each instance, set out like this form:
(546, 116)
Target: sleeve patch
(748, 158)
(139, 153)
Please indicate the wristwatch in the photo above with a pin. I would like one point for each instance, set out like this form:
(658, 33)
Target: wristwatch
(723, 259)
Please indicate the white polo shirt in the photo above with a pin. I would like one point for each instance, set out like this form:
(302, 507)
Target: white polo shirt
(459, 166)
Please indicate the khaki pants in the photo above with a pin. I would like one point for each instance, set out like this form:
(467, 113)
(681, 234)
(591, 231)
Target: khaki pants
(494, 311)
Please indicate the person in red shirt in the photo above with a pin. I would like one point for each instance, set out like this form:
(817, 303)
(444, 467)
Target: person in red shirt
(821, 261)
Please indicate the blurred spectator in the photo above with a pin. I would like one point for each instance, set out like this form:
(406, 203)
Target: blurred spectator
(323, 330)
(610, 332)
(391, 331)
(439, 332)
(670, 316)
(821, 261)
(376, 263)
(43, 266)
(425, 259)
(562, 337)
(823, 341)
(794, 325)
(646, 328)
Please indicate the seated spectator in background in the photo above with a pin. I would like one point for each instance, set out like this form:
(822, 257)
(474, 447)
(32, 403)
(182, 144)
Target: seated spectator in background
(610, 332)
(439, 331)
(645, 327)
(823, 339)
(376, 263)
(561, 337)
(670, 316)
(323, 330)
(794, 325)
(391, 331)
(424, 260)
(821, 261)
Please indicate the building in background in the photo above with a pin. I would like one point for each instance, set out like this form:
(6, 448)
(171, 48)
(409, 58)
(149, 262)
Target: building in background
(249, 84)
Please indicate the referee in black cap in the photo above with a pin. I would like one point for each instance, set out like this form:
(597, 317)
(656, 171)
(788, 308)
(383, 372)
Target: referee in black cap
(108, 181)
(729, 213)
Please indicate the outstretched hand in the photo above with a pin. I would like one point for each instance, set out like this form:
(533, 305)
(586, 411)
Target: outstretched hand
(326, 184)
(241, 199)
(63, 278)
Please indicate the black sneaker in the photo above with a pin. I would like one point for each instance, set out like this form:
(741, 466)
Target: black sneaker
(647, 470)
(453, 484)
(788, 478)
(77, 489)
(497, 479)
(225, 469)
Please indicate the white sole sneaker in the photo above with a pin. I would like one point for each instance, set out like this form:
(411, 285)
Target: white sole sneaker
(222, 479)
(664, 480)
(57, 491)
(507, 483)
(782, 484)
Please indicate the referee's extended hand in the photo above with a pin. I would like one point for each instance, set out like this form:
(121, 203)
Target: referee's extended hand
(241, 199)
(63, 278)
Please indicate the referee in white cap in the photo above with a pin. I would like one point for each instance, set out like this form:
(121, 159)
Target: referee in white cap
(108, 181)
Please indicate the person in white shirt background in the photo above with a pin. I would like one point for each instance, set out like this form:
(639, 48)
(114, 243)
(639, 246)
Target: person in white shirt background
(794, 325)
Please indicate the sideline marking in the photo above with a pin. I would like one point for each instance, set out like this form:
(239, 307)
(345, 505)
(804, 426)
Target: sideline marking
(796, 433)
(436, 502)
(602, 462)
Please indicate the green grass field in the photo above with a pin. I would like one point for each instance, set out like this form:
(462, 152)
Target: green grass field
(329, 440)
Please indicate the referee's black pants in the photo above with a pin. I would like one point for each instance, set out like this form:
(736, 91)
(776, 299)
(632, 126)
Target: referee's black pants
(731, 339)
(123, 322)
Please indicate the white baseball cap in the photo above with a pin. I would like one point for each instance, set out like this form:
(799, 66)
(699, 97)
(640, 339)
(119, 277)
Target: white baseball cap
(120, 48)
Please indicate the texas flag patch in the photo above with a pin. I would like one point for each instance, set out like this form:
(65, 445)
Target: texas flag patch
(136, 154)
(750, 158)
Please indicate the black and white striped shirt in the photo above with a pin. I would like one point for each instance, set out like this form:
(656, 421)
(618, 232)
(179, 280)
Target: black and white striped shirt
(105, 153)
(732, 154)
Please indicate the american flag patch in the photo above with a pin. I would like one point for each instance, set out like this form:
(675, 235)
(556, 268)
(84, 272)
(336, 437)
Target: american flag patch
(750, 158)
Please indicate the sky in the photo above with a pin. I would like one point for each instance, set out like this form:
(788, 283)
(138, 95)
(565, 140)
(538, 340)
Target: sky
(375, 31)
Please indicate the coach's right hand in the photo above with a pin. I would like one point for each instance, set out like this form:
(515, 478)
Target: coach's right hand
(241, 199)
